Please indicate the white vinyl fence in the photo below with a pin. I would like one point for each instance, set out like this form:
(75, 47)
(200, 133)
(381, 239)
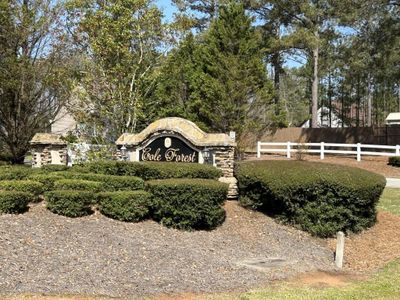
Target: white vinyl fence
(328, 148)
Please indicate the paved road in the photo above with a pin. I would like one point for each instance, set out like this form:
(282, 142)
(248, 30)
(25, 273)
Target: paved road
(393, 183)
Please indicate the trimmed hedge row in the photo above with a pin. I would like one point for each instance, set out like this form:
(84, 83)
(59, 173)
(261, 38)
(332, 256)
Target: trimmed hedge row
(11, 172)
(78, 185)
(47, 180)
(29, 186)
(13, 202)
(54, 168)
(130, 206)
(188, 203)
(154, 170)
(70, 203)
(109, 182)
(317, 197)
(394, 161)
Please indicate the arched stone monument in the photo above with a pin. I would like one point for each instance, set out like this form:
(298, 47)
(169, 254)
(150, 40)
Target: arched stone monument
(180, 140)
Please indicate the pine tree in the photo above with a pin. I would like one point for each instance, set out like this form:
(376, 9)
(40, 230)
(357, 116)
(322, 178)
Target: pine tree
(219, 78)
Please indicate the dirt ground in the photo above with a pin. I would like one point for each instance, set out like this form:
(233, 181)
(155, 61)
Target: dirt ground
(375, 164)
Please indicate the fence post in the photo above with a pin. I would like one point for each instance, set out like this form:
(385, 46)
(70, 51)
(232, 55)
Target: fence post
(288, 150)
(397, 150)
(258, 149)
(322, 150)
(358, 152)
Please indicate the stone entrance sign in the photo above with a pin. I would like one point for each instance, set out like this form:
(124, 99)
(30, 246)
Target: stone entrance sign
(169, 139)
(180, 140)
(169, 148)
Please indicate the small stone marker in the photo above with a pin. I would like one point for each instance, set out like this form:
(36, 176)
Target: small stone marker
(339, 249)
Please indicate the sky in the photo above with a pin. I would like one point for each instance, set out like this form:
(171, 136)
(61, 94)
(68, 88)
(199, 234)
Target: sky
(167, 8)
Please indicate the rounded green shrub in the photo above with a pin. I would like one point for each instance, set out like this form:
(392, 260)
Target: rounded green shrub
(54, 168)
(13, 202)
(30, 186)
(394, 161)
(78, 185)
(109, 182)
(47, 180)
(70, 203)
(130, 206)
(155, 170)
(317, 197)
(12, 172)
(188, 203)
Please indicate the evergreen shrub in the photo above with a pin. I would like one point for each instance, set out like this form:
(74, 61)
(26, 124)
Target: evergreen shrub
(54, 168)
(109, 182)
(394, 161)
(12, 172)
(130, 206)
(188, 203)
(70, 203)
(155, 170)
(47, 180)
(29, 186)
(78, 185)
(317, 197)
(13, 202)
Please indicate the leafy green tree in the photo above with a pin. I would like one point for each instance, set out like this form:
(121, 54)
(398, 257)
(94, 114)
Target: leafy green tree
(121, 40)
(33, 70)
(219, 79)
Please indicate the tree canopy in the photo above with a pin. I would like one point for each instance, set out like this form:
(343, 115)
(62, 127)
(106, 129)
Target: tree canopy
(228, 65)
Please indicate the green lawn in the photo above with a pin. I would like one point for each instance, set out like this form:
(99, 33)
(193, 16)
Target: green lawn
(383, 285)
(390, 201)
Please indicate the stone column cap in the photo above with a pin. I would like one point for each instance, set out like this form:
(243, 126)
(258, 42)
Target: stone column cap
(47, 139)
(185, 128)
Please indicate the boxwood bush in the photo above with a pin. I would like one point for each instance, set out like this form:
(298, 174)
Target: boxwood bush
(131, 206)
(317, 197)
(54, 168)
(394, 161)
(47, 180)
(188, 203)
(12, 202)
(12, 172)
(109, 182)
(30, 186)
(155, 170)
(78, 185)
(70, 203)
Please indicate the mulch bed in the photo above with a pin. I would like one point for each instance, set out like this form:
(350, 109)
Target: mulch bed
(372, 248)
(375, 247)
(41, 252)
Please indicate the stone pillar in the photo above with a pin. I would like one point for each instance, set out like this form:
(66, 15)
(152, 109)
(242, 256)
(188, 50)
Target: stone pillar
(224, 159)
(47, 148)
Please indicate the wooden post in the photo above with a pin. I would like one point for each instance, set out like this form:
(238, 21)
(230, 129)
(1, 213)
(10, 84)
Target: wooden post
(288, 150)
(397, 150)
(339, 249)
(358, 152)
(258, 149)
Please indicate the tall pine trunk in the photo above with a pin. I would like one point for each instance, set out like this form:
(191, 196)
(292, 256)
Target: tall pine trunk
(314, 89)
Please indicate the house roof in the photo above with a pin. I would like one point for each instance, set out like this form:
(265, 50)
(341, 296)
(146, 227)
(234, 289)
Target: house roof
(393, 117)
(184, 127)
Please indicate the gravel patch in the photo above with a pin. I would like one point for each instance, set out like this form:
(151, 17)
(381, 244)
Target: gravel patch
(41, 252)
